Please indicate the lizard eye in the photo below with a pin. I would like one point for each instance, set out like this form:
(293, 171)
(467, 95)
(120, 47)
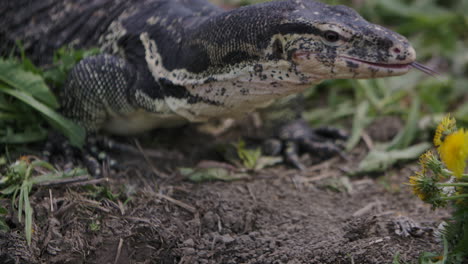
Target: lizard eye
(331, 36)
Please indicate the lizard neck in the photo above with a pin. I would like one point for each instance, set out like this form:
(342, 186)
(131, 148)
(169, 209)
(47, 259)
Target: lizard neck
(227, 91)
(227, 75)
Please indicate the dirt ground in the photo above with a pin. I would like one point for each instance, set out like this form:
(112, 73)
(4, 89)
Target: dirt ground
(276, 215)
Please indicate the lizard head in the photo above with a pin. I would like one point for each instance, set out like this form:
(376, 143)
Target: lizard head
(335, 42)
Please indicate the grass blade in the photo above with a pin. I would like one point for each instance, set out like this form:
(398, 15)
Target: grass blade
(26, 137)
(360, 121)
(72, 131)
(27, 213)
(408, 134)
(12, 74)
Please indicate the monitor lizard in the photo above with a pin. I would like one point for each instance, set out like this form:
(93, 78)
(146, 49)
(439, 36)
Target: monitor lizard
(166, 62)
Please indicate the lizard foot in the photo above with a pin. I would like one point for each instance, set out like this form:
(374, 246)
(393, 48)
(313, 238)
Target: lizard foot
(93, 155)
(297, 136)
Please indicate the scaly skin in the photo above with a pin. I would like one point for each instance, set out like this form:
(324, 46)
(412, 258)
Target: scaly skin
(169, 61)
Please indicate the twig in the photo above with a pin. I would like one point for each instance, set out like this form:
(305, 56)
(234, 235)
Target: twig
(365, 209)
(121, 207)
(321, 166)
(320, 177)
(119, 250)
(216, 129)
(64, 181)
(251, 193)
(64, 209)
(155, 171)
(178, 203)
(51, 203)
(95, 204)
(294, 179)
(153, 153)
(368, 140)
(91, 182)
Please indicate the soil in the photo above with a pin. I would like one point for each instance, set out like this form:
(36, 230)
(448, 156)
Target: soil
(276, 215)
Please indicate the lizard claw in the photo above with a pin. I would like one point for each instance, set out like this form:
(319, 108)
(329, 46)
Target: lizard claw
(297, 136)
(92, 156)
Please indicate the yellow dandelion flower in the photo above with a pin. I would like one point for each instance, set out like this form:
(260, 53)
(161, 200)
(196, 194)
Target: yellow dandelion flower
(427, 189)
(424, 187)
(430, 161)
(446, 126)
(453, 151)
(416, 182)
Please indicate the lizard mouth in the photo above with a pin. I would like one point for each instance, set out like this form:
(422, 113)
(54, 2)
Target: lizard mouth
(402, 66)
(396, 67)
(393, 66)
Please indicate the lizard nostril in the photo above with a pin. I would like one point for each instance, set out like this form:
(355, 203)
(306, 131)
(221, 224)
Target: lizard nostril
(396, 50)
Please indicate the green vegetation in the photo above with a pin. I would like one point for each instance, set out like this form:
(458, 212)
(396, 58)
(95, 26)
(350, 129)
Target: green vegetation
(249, 157)
(27, 103)
(439, 31)
(98, 193)
(211, 174)
(27, 106)
(18, 181)
(441, 182)
(3, 224)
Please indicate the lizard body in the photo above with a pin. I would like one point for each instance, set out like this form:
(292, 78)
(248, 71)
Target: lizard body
(166, 62)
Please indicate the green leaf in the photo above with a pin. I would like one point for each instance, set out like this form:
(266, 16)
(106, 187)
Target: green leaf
(26, 137)
(267, 161)
(20, 202)
(9, 190)
(43, 164)
(3, 211)
(4, 226)
(408, 134)
(27, 215)
(10, 116)
(360, 121)
(380, 160)
(462, 113)
(57, 175)
(249, 157)
(72, 131)
(64, 60)
(396, 258)
(12, 74)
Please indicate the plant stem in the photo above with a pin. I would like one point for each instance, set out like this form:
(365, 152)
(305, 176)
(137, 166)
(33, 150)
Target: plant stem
(455, 197)
(454, 184)
(447, 173)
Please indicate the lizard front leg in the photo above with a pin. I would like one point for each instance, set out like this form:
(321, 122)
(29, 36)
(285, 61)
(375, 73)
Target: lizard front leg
(290, 134)
(97, 89)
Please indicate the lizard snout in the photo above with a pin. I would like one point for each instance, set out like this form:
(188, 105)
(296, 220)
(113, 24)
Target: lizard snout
(401, 54)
